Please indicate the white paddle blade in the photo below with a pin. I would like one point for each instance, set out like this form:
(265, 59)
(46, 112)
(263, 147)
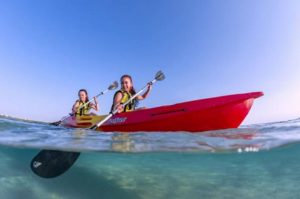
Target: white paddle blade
(160, 76)
(113, 86)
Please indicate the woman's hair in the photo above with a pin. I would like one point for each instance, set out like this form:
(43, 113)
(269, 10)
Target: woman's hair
(85, 91)
(132, 90)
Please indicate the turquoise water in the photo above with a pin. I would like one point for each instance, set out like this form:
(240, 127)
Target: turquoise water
(257, 161)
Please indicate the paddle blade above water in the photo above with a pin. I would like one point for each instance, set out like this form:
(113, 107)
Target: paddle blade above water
(113, 86)
(51, 163)
(160, 76)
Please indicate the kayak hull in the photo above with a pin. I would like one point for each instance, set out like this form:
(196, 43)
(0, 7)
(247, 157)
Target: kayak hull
(194, 116)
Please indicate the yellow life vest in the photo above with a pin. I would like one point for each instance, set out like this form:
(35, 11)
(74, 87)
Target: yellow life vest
(84, 110)
(125, 97)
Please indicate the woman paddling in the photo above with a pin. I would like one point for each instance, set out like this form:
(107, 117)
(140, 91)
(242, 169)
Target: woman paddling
(125, 93)
(81, 106)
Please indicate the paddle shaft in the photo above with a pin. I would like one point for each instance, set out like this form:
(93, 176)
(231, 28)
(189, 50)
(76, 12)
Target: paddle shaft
(116, 110)
(111, 87)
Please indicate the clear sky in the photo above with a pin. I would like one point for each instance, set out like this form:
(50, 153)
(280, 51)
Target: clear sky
(50, 49)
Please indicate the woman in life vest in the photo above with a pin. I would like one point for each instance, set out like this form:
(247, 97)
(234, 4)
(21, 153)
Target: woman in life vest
(125, 93)
(81, 107)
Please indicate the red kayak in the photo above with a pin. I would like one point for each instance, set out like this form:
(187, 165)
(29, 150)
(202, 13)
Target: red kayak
(194, 116)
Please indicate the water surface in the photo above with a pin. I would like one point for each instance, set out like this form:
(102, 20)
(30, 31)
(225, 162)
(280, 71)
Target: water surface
(256, 161)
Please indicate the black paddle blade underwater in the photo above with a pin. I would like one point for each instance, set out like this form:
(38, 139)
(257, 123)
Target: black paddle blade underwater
(52, 163)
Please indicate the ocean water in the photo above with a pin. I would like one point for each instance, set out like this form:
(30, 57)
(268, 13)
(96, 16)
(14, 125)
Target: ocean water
(255, 161)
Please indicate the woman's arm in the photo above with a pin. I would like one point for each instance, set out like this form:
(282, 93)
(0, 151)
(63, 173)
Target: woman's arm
(94, 106)
(117, 102)
(146, 94)
(75, 107)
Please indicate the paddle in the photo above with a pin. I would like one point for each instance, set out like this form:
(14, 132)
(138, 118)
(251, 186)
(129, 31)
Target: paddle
(52, 163)
(113, 86)
(158, 77)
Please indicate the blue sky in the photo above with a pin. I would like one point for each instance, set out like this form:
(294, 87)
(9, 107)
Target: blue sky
(51, 49)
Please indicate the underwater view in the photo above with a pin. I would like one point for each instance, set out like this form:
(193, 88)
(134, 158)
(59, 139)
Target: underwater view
(254, 161)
